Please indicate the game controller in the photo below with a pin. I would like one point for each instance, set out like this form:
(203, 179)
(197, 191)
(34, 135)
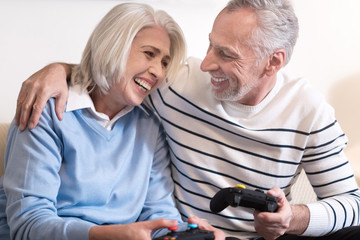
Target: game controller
(240, 196)
(192, 233)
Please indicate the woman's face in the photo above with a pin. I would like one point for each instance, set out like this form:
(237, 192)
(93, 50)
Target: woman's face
(145, 68)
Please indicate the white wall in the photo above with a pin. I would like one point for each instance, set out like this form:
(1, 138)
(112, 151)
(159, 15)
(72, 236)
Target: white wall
(34, 33)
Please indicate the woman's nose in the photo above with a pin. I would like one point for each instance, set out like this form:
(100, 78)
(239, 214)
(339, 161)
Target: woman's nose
(157, 70)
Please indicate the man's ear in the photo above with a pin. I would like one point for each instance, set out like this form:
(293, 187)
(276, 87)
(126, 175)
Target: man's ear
(276, 62)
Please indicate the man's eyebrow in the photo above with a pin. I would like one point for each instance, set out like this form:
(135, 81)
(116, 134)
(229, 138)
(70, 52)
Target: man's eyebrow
(227, 50)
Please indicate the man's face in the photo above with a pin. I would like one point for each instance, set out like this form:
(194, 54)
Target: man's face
(235, 73)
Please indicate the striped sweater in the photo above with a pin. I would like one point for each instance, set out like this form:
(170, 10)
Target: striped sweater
(216, 144)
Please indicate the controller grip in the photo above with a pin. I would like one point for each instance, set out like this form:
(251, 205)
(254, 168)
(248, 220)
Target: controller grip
(220, 200)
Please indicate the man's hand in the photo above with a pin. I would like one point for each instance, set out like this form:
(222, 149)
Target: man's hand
(290, 219)
(204, 225)
(138, 230)
(36, 91)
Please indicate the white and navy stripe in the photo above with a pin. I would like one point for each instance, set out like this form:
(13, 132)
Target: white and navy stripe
(216, 144)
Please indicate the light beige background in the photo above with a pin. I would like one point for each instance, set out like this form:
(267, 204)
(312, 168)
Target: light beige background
(34, 33)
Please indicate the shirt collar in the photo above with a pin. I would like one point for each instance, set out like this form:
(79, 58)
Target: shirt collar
(80, 99)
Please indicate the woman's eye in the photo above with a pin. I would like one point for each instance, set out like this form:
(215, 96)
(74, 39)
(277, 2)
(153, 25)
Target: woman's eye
(165, 64)
(149, 53)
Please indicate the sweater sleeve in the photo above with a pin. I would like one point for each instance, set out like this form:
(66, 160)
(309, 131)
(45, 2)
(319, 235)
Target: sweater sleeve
(31, 183)
(159, 201)
(331, 176)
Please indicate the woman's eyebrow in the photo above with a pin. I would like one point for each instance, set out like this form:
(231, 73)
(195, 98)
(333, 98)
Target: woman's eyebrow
(157, 50)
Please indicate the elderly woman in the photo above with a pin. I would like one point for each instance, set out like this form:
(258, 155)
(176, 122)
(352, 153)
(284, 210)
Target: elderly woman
(102, 172)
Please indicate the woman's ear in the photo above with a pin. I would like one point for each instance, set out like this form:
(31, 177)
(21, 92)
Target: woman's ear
(276, 62)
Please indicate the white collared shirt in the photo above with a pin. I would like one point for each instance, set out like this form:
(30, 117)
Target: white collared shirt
(79, 99)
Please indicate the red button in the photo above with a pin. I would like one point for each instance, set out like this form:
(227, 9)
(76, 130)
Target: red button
(174, 228)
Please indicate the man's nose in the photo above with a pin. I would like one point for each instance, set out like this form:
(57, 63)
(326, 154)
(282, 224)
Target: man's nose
(209, 62)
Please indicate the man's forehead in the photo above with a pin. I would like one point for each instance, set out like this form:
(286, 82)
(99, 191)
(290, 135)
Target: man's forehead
(233, 27)
(222, 42)
(244, 19)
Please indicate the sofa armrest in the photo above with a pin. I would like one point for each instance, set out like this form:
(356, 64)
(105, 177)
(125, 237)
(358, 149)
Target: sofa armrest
(353, 154)
(3, 133)
(302, 191)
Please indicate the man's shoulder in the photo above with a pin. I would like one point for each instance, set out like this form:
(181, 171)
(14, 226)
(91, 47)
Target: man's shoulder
(300, 86)
(193, 68)
(190, 69)
(299, 92)
(193, 61)
(190, 76)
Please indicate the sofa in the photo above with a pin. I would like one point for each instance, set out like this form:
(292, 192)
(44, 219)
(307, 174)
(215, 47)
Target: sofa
(3, 133)
(302, 190)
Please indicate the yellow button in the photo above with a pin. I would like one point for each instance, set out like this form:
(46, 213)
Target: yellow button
(240, 186)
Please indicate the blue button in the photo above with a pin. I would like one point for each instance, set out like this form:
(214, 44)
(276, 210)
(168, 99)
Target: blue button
(192, 225)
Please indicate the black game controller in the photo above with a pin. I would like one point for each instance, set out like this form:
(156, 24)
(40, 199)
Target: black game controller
(192, 233)
(239, 196)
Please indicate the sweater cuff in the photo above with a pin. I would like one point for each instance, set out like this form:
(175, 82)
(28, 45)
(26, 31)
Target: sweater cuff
(79, 229)
(320, 220)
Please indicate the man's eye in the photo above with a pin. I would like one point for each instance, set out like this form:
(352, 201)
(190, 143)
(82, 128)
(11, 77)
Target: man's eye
(223, 54)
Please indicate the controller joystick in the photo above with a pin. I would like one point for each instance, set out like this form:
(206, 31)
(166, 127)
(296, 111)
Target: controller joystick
(240, 196)
(192, 233)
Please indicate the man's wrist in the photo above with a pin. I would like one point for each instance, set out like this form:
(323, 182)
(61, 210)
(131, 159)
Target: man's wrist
(300, 219)
(66, 67)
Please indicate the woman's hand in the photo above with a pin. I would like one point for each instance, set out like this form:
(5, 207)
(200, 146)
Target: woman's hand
(138, 230)
(204, 225)
(36, 91)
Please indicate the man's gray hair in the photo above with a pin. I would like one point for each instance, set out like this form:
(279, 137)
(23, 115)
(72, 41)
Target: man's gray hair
(278, 26)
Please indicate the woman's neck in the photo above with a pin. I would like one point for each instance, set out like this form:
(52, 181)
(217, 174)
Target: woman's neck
(104, 103)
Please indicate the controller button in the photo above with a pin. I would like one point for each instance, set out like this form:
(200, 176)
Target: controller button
(192, 225)
(240, 186)
(174, 228)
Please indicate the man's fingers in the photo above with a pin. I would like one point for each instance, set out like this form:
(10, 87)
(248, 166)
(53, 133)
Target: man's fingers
(37, 109)
(276, 192)
(60, 104)
(24, 109)
(20, 100)
(36, 91)
(25, 102)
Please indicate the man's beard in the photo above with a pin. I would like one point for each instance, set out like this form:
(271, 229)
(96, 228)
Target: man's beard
(233, 94)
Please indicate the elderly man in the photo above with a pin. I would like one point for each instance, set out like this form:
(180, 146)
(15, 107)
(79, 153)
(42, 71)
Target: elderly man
(242, 119)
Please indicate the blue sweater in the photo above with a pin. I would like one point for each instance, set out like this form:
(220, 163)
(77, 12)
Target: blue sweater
(63, 177)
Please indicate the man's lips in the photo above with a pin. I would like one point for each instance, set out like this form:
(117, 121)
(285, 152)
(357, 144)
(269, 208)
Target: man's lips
(217, 81)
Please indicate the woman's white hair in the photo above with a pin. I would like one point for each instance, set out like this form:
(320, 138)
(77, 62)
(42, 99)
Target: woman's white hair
(277, 26)
(105, 56)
